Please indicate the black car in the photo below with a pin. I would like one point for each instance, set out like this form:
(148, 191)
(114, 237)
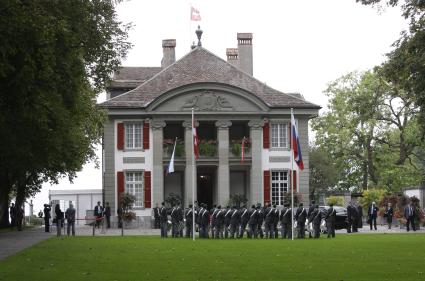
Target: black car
(341, 217)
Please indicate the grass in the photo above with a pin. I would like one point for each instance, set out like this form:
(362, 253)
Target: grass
(356, 257)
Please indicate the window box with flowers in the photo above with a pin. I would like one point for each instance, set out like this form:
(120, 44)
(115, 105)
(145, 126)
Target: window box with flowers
(208, 148)
(168, 146)
(236, 147)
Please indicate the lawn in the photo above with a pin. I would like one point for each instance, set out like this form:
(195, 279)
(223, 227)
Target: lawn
(348, 257)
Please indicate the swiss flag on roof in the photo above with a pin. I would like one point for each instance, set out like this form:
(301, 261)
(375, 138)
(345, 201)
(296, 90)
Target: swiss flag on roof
(194, 14)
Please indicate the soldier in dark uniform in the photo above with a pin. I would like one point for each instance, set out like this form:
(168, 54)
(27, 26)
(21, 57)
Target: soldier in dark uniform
(330, 221)
(286, 222)
(47, 216)
(198, 217)
(359, 216)
(188, 216)
(163, 220)
(219, 222)
(205, 221)
(227, 216)
(310, 210)
(276, 215)
(244, 218)
(260, 219)
(235, 219)
(214, 211)
(269, 221)
(252, 222)
(156, 217)
(354, 218)
(173, 215)
(316, 219)
(350, 217)
(300, 217)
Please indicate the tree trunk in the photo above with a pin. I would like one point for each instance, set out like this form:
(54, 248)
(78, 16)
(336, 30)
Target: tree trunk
(20, 200)
(4, 200)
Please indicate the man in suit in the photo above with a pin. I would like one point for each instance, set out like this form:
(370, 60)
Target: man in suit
(47, 216)
(108, 215)
(98, 213)
(372, 213)
(286, 222)
(163, 220)
(300, 217)
(70, 219)
(352, 218)
(359, 216)
(244, 218)
(389, 213)
(409, 215)
(330, 221)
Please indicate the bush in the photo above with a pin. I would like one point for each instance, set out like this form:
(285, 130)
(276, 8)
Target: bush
(298, 198)
(173, 199)
(237, 200)
(335, 200)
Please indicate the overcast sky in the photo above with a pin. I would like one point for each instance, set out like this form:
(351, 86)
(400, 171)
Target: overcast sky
(298, 46)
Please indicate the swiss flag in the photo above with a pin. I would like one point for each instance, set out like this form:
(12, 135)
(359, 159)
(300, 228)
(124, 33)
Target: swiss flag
(195, 138)
(194, 14)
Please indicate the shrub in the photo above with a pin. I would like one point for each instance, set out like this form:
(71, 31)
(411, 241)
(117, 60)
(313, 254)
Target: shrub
(371, 195)
(335, 200)
(237, 200)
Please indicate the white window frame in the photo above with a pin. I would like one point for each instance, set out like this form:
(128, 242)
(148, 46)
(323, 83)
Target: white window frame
(277, 192)
(130, 186)
(134, 143)
(282, 140)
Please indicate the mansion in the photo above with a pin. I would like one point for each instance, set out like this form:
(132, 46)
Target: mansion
(149, 108)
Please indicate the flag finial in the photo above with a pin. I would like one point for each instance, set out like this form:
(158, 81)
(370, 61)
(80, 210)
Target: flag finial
(199, 35)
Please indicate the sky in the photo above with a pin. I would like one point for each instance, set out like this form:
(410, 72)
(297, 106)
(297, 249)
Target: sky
(298, 46)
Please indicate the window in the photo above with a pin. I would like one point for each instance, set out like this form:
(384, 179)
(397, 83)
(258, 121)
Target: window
(280, 184)
(134, 186)
(133, 135)
(279, 136)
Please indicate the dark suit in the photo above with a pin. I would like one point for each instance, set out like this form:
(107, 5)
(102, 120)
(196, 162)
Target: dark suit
(372, 213)
(389, 213)
(409, 215)
(47, 216)
(98, 213)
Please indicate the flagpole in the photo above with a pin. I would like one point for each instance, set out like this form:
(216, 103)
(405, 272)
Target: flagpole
(193, 179)
(292, 179)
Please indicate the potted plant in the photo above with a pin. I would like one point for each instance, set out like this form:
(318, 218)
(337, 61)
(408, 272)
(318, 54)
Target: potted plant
(208, 148)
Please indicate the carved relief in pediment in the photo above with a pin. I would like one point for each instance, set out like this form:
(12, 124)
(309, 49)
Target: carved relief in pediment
(207, 101)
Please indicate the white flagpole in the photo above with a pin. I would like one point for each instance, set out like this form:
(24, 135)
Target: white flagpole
(193, 179)
(292, 178)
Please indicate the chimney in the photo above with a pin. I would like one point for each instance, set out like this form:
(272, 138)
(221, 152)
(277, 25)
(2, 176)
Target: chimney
(169, 52)
(245, 52)
(232, 56)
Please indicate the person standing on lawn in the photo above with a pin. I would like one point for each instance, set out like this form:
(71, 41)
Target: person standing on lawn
(252, 223)
(285, 222)
(227, 217)
(372, 212)
(409, 215)
(163, 220)
(108, 215)
(59, 217)
(188, 215)
(98, 213)
(309, 215)
(244, 218)
(70, 218)
(156, 217)
(300, 217)
(316, 220)
(235, 219)
(389, 212)
(359, 216)
(330, 221)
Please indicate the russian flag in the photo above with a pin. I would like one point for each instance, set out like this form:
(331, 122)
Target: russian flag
(296, 145)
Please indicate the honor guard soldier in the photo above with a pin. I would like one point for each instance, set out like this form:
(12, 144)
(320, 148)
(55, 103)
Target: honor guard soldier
(244, 218)
(219, 222)
(214, 211)
(316, 218)
(260, 219)
(309, 212)
(205, 221)
(276, 215)
(227, 216)
(330, 221)
(269, 221)
(300, 217)
(163, 220)
(252, 222)
(235, 220)
(188, 215)
(174, 221)
(286, 222)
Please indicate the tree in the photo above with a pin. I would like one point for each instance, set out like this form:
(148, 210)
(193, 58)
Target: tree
(406, 63)
(371, 133)
(323, 171)
(56, 56)
(126, 203)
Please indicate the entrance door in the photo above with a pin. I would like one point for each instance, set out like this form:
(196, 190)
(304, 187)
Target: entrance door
(205, 188)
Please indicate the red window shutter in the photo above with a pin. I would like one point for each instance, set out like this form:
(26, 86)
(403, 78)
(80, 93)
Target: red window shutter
(145, 135)
(120, 136)
(147, 179)
(266, 187)
(266, 135)
(294, 180)
(120, 185)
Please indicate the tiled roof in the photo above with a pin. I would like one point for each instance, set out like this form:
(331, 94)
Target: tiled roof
(131, 77)
(199, 66)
